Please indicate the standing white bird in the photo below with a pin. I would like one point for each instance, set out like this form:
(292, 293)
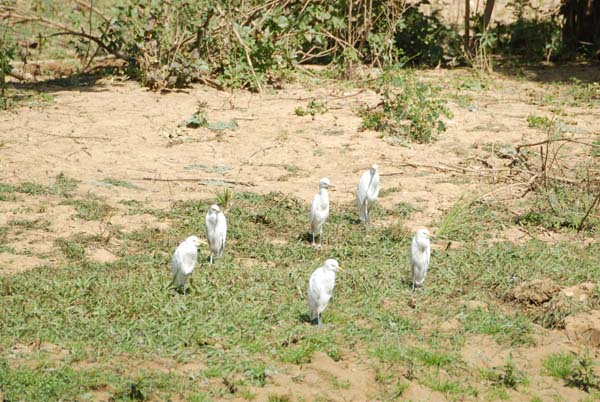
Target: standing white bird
(216, 231)
(319, 210)
(184, 261)
(420, 253)
(320, 288)
(367, 192)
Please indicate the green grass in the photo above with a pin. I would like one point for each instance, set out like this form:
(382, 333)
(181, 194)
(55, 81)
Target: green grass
(248, 312)
(120, 183)
(511, 329)
(469, 220)
(91, 208)
(63, 186)
(559, 365)
(541, 122)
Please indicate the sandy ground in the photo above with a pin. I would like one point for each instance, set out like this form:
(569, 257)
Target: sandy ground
(118, 130)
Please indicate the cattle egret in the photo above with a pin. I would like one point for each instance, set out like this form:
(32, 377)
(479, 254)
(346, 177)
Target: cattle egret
(216, 231)
(184, 261)
(320, 288)
(319, 210)
(367, 192)
(420, 252)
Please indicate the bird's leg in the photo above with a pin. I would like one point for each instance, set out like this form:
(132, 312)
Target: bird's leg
(313, 239)
(319, 320)
(321, 238)
(367, 212)
(211, 258)
(185, 288)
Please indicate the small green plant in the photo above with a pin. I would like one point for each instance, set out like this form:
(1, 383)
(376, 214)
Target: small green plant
(313, 108)
(90, 208)
(410, 109)
(73, 251)
(198, 119)
(224, 197)
(509, 376)
(541, 122)
(582, 375)
(584, 94)
(559, 365)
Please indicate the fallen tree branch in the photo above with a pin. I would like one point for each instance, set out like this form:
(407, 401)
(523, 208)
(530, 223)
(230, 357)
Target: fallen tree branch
(550, 141)
(197, 181)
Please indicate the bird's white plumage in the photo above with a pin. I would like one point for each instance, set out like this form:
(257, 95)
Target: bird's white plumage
(367, 192)
(216, 231)
(319, 210)
(320, 288)
(420, 253)
(184, 260)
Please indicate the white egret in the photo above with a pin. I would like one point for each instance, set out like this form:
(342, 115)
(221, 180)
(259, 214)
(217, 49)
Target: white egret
(184, 261)
(420, 253)
(320, 288)
(216, 231)
(319, 210)
(367, 192)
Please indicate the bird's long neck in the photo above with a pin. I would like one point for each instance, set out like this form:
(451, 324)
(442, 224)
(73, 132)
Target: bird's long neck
(324, 196)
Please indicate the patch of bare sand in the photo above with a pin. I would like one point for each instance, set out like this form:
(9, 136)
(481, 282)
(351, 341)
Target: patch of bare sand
(21, 354)
(420, 393)
(14, 264)
(584, 328)
(101, 255)
(157, 364)
(481, 351)
(355, 380)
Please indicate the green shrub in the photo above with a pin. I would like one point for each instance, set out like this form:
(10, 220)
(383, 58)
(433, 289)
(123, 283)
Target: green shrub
(425, 40)
(410, 109)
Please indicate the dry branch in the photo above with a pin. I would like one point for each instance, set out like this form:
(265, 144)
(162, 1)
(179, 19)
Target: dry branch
(197, 181)
(248, 58)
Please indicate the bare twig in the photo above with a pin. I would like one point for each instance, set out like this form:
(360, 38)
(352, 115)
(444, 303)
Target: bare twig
(248, 58)
(596, 200)
(197, 181)
(91, 7)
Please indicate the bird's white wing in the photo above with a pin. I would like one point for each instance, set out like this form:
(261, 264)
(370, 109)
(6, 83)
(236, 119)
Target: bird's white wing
(314, 292)
(187, 258)
(175, 264)
(363, 185)
(314, 207)
(221, 232)
(207, 225)
(374, 187)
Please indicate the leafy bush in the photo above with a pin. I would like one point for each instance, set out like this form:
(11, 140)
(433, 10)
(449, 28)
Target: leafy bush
(246, 44)
(533, 39)
(562, 205)
(7, 53)
(426, 40)
(410, 109)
